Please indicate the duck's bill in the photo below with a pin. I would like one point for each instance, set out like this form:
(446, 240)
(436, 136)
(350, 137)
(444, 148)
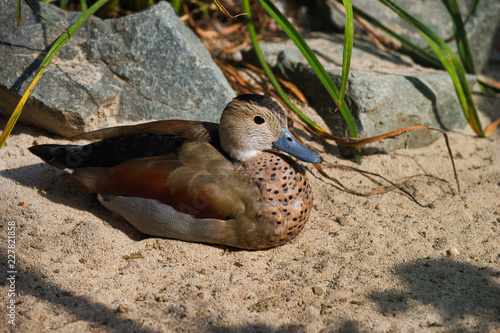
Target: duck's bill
(289, 144)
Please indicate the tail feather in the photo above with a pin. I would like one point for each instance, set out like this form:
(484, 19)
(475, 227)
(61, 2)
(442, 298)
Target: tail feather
(57, 155)
(91, 180)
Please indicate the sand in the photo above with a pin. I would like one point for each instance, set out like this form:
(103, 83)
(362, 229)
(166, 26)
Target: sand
(370, 264)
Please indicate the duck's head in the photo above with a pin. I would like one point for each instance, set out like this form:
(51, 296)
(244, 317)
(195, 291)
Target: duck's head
(251, 124)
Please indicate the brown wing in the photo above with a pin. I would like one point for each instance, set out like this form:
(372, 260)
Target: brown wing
(192, 130)
(200, 182)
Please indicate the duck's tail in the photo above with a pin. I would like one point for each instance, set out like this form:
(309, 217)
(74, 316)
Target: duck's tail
(109, 152)
(58, 155)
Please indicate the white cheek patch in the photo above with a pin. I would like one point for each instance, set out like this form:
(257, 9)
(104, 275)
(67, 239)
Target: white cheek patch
(243, 155)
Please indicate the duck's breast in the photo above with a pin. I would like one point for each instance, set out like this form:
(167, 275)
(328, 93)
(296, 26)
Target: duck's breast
(286, 197)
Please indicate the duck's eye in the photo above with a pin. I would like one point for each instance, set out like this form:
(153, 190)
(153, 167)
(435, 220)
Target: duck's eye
(259, 120)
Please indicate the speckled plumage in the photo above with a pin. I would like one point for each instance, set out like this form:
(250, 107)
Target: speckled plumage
(285, 195)
(199, 181)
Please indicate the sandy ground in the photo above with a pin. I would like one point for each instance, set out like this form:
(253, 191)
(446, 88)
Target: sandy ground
(362, 264)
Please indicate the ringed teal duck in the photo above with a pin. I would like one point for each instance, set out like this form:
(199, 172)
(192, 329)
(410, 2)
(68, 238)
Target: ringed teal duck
(199, 181)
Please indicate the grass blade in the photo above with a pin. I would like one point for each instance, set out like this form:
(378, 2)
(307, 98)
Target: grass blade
(461, 39)
(177, 4)
(407, 44)
(225, 11)
(63, 4)
(472, 9)
(450, 62)
(347, 52)
(311, 59)
(40, 15)
(268, 71)
(491, 127)
(18, 12)
(58, 44)
(488, 87)
(17, 112)
(83, 5)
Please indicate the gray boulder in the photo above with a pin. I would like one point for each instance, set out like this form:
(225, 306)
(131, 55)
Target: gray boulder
(146, 66)
(386, 91)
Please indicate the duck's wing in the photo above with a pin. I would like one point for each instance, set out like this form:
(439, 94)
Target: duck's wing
(199, 181)
(124, 143)
(197, 195)
(109, 152)
(191, 130)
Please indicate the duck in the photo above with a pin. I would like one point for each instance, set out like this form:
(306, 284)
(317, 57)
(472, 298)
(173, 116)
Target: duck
(234, 184)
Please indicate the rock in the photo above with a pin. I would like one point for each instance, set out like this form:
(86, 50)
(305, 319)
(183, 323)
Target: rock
(145, 66)
(265, 304)
(453, 252)
(317, 290)
(343, 220)
(122, 309)
(386, 91)
(480, 28)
